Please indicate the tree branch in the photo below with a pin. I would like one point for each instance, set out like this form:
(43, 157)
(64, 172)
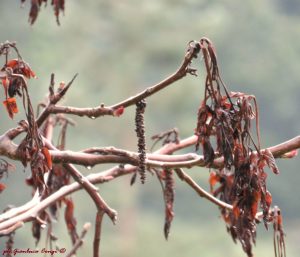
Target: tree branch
(94, 156)
(102, 206)
(101, 110)
(29, 210)
(79, 241)
(200, 191)
(97, 236)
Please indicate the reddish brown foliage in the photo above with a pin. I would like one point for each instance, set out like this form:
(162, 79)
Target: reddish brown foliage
(225, 118)
(70, 220)
(11, 106)
(12, 83)
(58, 7)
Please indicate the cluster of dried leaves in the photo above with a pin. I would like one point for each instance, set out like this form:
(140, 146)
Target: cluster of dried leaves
(14, 75)
(224, 127)
(32, 150)
(58, 177)
(58, 7)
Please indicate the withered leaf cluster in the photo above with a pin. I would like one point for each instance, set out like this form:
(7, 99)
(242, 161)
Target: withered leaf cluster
(58, 7)
(224, 129)
(13, 75)
(32, 150)
(58, 177)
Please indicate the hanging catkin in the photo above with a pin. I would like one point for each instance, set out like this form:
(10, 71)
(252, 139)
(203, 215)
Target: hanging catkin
(140, 132)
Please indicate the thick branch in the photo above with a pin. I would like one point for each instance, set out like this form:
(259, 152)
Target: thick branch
(92, 112)
(33, 207)
(93, 156)
(285, 147)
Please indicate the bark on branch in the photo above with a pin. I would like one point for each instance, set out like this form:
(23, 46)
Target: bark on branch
(28, 211)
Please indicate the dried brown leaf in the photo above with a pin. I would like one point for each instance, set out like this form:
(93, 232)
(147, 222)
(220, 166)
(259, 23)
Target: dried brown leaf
(268, 156)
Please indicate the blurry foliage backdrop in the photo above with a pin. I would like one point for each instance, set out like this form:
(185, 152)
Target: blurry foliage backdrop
(121, 47)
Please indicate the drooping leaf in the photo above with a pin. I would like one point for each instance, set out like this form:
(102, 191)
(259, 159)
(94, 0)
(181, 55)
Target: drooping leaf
(11, 106)
(48, 157)
(268, 198)
(270, 161)
(2, 187)
(208, 151)
(36, 231)
(70, 219)
(34, 11)
(213, 179)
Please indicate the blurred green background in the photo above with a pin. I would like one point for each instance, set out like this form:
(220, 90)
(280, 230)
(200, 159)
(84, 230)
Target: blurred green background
(121, 47)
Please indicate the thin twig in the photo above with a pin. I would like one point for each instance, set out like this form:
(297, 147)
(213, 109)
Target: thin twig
(79, 241)
(200, 191)
(101, 110)
(53, 99)
(97, 236)
(13, 133)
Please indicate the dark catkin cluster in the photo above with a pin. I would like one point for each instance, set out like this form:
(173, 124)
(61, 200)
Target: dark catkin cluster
(169, 194)
(140, 132)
